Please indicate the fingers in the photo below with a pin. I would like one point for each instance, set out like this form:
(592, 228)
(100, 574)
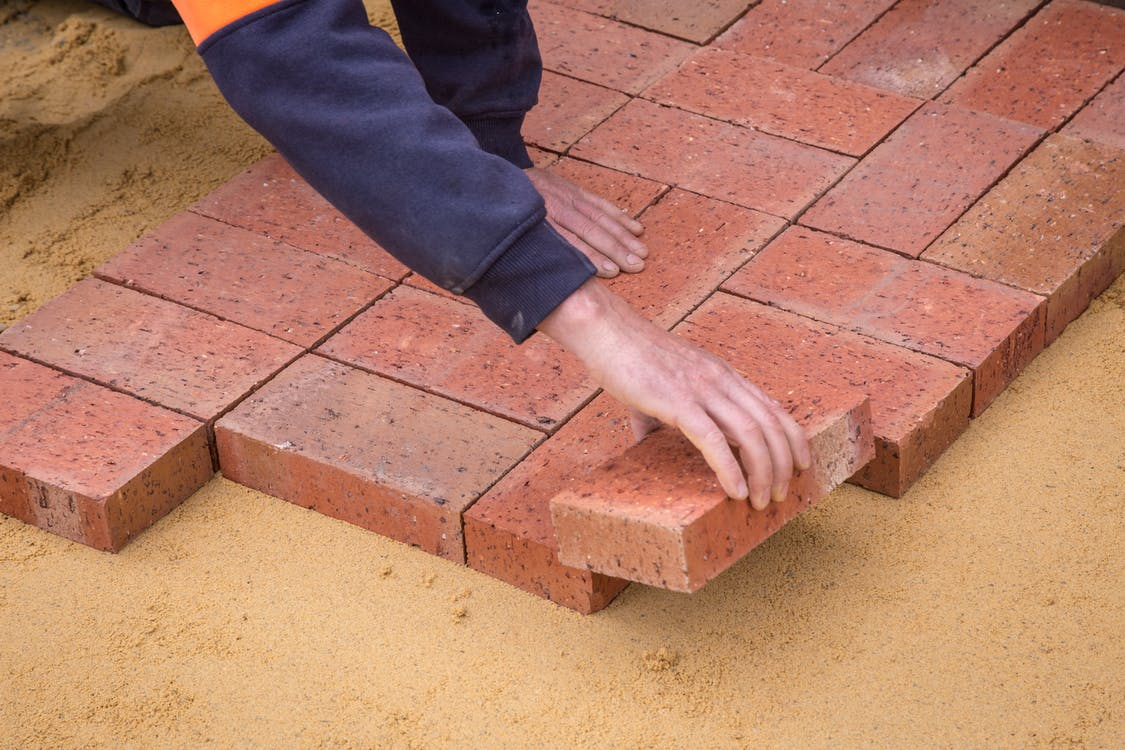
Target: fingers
(767, 417)
(709, 439)
(642, 423)
(604, 235)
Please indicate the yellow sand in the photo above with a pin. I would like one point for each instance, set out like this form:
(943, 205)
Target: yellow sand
(984, 609)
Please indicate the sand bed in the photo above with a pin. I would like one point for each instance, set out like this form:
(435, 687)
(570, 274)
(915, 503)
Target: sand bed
(983, 609)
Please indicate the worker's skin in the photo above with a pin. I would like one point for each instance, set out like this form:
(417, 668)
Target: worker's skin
(659, 375)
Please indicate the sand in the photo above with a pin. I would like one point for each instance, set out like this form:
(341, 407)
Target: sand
(984, 609)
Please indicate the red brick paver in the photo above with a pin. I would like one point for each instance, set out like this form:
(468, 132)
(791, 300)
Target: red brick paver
(801, 32)
(369, 451)
(245, 277)
(628, 192)
(917, 182)
(921, 46)
(657, 515)
(160, 351)
(89, 464)
(450, 348)
(990, 328)
(783, 100)
(1103, 119)
(1047, 70)
(601, 51)
(714, 158)
(568, 109)
(1054, 226)
(271, 199)
(695, 243)
(508, 532)
(696, 22)
(919, 404)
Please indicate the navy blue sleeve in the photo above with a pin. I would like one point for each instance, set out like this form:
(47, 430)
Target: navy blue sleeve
(352, 115)
(481, 61)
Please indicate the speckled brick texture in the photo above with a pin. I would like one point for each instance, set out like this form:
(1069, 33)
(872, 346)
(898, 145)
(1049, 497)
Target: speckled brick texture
(783, 100)
(369, 451)
(657, 515)
(801, 32)
(990, 328)
(696, 22)
(1054, 226)
(271, 199)
(567, 110)
(450, 348)
(714, 158)
(89, 464)
(508, 532)
(1049, 68)
(918, 181)
(245, 277)
(596, 49)
(919, 404)
(685, 230)
(1103, 119)
(919, 47)
(159, 351)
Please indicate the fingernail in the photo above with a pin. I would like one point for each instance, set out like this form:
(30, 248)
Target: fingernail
(609, 267)
(632, 260)
(761, 501)
(742, 490)
(780, 492)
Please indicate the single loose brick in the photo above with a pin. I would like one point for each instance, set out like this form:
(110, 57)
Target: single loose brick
(919, 404)
(804, 33)
(450, 348)
(182, 359)
(688, 231)
(89, 464)
(1054, 226)
(716, 159)
(921, 46)
(271, 199)
(657, 515)
(568, 109)
(508, 532)
(915, 184)
(366, 450)
(602, 51)
(244, 277)
(1103, 119)
(1050, 67)
(696, 22)
(990, 328)
(783, 100)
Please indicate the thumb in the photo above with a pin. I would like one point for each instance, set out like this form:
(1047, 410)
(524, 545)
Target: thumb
(642, 423)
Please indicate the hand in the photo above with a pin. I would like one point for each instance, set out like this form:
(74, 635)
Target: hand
(604, 233)
(663, 377)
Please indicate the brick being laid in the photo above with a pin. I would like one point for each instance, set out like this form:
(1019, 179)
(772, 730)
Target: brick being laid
(1055, 226)
(717, 159)
(913, 185)
(919, 404)
(919, 47)
(787, 101)
(90, 464)
(1047, 69)
(508, 532)
(273, 200)
(156, 350)
(244, 277)
(992, 329)
(656, 513)
(364, 449)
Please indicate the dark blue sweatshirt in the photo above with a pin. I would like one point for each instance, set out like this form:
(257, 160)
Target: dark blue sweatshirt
(423, 153)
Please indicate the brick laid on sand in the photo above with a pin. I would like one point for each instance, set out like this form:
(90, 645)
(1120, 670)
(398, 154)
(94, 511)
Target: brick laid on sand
(990, 328)
(1054, 226)
(87, 463)
(657, 515)
(159, 351)
(244, 277)
(369, 451)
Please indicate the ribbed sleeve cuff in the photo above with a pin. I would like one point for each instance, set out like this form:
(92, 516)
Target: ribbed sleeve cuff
(530, 280)
(501, 136)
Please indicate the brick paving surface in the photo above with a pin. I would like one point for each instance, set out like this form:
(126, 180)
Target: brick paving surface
(878, 210)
